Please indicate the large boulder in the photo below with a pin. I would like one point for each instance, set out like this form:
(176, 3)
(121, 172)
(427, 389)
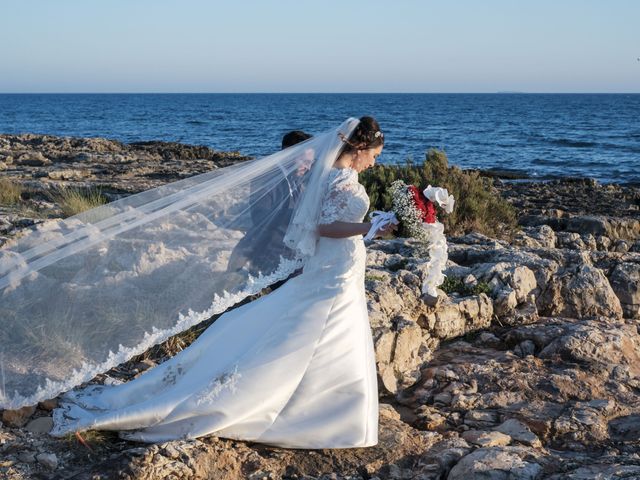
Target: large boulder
(458, 316)
(539, 236)
(400, 352)
(597, 342)
(512, 287)
(625, 282)
(580, 292)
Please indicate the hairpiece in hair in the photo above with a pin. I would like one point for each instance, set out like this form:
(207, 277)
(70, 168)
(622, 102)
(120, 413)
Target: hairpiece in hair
(378, 134)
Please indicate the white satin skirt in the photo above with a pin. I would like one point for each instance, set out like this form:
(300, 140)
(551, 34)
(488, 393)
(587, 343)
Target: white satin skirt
(295, 368)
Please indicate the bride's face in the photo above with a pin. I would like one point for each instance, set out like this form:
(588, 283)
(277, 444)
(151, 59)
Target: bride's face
(364, 159)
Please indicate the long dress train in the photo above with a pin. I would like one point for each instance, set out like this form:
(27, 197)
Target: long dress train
(295, 368)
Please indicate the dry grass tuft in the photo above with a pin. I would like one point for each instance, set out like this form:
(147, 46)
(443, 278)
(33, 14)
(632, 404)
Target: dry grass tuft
(73, 201)
(10, 192)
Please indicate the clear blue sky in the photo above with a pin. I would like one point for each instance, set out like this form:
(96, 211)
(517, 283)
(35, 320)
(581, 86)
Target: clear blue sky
(319, 46)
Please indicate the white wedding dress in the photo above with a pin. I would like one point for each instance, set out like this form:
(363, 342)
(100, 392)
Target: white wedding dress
(295, 368)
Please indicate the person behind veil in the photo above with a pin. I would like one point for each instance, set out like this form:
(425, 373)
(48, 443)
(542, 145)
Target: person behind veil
(271, 211)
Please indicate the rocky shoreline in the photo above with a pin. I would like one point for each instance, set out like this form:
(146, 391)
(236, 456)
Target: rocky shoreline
(528, 369)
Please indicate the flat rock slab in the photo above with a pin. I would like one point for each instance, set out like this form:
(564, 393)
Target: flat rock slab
(625, 428)
(497, 463)
(519, 432)
(40, 425)
(483, 438)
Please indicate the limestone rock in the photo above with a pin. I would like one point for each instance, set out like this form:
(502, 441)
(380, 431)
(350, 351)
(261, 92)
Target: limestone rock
(609, 472)
(625, 228)
(33, 159)
(399, 446)
(49, 460)
(430, 418)
(625, 428)
(519, 432)
(481, 419)
(625, 282)
(539, 236)
(488, 339)
(456, 317)
(581, 423)
(40, 425)
(27, 457)
(96, 162)
(525, 348)
(571, 240)
(597, 343)
(621, 246)
(443, 456)
(483, 438)
(68, 174)
(578, 293)
(17, 418)
(497, 463)
(399, 354)
(49, 404)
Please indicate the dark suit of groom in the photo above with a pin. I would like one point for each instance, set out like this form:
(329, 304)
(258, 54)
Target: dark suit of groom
(271, 212)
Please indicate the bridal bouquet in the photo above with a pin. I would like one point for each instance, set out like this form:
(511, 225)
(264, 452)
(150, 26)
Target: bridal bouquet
(415, 208)
(416, 212)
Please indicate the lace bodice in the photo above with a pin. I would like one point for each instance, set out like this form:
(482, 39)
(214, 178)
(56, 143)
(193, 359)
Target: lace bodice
(345, 200)
(337, 260)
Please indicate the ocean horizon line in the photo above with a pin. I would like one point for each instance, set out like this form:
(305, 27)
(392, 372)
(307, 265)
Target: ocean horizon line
(500, 92)
(578, 134)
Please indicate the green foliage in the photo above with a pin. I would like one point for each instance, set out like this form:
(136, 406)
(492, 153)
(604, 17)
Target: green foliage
(455, 284)
(73, 201)
(10, 192)
(373, 278)
(399, 265)
(482, 287)
(478, 208)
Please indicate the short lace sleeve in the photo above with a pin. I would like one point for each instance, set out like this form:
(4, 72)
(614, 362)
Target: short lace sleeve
(343, 188)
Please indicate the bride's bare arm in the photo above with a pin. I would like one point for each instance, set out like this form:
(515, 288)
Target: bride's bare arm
(343, 229)
(349, 229)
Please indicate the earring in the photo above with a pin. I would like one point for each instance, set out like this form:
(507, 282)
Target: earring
(354, 161)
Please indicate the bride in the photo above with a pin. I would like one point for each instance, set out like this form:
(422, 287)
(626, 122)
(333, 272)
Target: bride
(294, 368)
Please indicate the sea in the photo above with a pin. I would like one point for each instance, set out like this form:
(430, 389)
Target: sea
(538, 136)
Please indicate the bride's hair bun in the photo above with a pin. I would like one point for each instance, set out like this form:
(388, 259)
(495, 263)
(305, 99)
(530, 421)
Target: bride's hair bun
(366, 135)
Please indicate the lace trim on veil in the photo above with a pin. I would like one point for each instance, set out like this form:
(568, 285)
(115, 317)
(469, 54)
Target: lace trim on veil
(220, 304)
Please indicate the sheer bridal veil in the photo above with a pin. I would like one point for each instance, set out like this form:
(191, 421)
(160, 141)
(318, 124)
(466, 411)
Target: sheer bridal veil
(79, 296)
